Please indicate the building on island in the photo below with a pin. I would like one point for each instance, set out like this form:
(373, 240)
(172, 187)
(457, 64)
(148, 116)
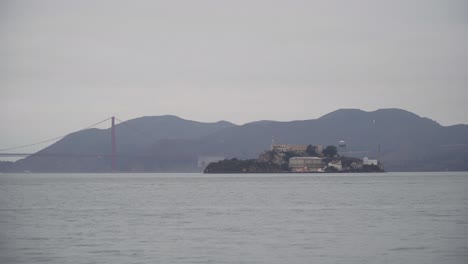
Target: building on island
(306, 164)
(336, 164)
(283, 148)
(367, 161)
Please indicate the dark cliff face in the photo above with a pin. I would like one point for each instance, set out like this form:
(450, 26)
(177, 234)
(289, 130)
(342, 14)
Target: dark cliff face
(168, 143)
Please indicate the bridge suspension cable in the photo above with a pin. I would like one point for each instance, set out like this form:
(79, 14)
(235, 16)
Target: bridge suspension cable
(56, 138)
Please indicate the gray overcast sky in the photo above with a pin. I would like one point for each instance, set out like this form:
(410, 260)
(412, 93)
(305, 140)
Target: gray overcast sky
(68, 64)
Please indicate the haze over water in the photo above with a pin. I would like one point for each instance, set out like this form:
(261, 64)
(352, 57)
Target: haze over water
(194, 218)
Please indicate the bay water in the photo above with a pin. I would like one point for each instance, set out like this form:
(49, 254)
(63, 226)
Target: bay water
(235, 218)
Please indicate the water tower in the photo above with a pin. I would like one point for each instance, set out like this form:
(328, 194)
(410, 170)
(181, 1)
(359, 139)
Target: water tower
(342, 147)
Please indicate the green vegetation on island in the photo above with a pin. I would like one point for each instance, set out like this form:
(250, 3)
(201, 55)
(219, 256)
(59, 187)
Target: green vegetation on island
(243, 166)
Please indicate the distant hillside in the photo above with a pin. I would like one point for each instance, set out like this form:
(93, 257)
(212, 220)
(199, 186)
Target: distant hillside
(133, 137)
(168, 143)
(408, 142)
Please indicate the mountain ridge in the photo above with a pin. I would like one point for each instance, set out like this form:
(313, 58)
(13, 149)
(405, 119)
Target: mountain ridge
(170, 143)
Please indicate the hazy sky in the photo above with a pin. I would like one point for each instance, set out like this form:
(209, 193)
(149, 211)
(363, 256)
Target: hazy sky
(68, 64)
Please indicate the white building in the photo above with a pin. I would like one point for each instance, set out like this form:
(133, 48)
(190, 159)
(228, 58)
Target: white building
(336, 164)
(367, 161)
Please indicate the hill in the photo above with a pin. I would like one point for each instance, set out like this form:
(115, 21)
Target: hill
(408, 142)
(167, 143)
(133, 138)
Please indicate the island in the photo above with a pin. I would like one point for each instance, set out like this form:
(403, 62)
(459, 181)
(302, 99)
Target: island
(286, 158)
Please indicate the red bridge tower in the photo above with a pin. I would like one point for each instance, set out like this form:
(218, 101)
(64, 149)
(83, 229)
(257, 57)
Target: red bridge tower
(114, 146)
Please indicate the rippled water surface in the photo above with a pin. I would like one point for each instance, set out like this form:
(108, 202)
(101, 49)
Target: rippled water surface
(194, 218)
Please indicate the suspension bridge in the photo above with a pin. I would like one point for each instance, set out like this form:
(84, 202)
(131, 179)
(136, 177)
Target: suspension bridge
(9, 152)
